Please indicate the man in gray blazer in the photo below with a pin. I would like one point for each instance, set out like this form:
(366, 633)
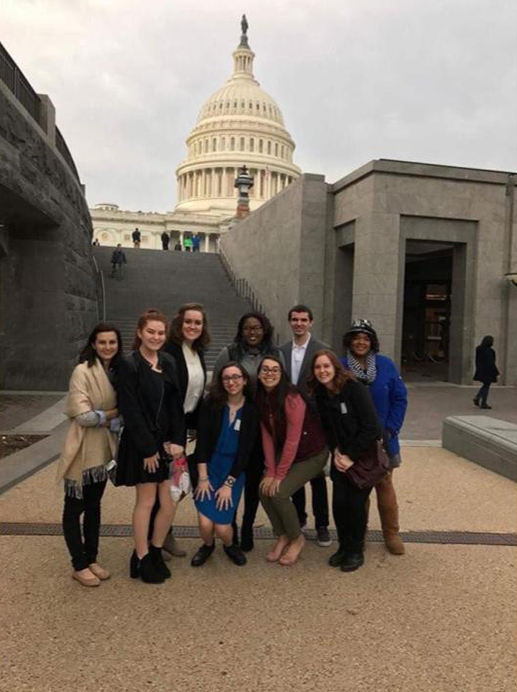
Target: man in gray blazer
(298, 354)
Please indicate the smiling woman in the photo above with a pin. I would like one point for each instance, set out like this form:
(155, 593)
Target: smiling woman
(154, 433)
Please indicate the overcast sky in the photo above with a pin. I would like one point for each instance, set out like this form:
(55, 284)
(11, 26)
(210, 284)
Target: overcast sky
(418, 80)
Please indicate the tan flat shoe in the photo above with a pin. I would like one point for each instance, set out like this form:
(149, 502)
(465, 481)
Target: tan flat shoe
(85, 577)
(293, 552)
(99, 571)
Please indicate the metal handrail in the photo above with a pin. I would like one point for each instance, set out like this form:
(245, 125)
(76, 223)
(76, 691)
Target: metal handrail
(242, 286)
(101, 310)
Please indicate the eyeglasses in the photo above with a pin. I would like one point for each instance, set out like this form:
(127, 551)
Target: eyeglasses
(270, 371)
(253, 329)
(231, 378)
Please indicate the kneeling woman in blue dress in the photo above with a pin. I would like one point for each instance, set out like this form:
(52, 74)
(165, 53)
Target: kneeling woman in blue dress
(227, 430)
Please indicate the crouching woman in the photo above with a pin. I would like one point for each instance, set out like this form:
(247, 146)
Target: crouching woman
(352, 429)
(226, 434)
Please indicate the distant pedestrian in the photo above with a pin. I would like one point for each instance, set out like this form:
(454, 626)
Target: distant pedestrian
(118, 259)
(96, 242)
(165, 240)
(178, 247)
(187, 243)
(486, 370)
(137, 237)
(196, 241)
(90, 445)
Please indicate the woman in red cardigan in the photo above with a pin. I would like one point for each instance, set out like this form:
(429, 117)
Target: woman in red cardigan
(295, 451)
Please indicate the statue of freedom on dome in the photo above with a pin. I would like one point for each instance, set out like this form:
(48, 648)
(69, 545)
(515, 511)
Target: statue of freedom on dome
(244, 25)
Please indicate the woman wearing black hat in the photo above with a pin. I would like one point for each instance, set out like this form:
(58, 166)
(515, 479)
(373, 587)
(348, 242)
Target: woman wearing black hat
(389, 396)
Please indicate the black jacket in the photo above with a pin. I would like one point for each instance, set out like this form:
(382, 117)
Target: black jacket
(145, 430)
(176, 351)
(349, 419)
(486, 369)
(209, 428)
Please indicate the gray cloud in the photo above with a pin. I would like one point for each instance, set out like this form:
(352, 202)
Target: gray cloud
(355, 79)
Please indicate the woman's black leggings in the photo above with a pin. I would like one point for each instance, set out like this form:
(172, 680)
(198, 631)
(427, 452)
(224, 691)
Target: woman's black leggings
(83, 552)
(350, 512)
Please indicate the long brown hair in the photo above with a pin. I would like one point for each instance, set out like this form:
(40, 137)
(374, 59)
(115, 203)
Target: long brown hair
(341, 375)
(176, 333)
(149, 315)
(273, 403)
(218, 394)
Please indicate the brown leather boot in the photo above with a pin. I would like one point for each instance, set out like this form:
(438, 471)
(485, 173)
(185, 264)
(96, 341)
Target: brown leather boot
(389, 513)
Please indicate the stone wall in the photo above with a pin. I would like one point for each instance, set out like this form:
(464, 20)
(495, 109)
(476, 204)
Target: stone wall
(47, 278)
(280, 251)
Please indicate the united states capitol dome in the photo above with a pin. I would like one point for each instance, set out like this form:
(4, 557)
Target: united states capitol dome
(239, 124)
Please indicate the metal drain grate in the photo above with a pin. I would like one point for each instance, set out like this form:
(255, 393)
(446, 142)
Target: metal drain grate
(123, 530)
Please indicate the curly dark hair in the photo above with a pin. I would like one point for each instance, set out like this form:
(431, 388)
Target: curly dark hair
(267, 340)
(89, 354)
(175, 332)
(374, 341)
(218, 394)
(341, 375)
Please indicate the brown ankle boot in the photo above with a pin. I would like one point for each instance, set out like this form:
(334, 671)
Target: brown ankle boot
(389, 513)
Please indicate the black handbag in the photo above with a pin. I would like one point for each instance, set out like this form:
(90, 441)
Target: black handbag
(370, 468)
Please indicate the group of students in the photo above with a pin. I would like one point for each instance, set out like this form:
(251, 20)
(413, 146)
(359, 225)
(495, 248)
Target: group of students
(269, 422)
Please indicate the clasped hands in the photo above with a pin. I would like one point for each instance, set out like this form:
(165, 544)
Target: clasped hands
(341, 461)
(152, 463)
(269, 486)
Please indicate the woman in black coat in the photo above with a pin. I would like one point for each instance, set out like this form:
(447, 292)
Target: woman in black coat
(352, 429)
(188, 338)
(153, 434)
(227, 431)
(486, 370)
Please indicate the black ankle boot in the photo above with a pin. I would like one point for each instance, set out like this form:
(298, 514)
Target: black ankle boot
(352, 561)
(236, 555)
(158, 561)
(247, 543)
(134, 566)
(148, 571)
(337, 558)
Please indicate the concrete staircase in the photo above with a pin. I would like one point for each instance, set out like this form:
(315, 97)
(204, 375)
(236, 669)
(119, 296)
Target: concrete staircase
(165, 280)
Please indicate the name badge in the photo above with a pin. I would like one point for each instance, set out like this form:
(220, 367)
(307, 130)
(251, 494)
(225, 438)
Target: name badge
(343, 407)
(237, 425)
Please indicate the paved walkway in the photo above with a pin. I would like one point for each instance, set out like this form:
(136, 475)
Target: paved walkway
(439, 619)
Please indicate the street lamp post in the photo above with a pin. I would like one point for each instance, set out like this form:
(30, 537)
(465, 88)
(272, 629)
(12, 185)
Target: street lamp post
(243, 183)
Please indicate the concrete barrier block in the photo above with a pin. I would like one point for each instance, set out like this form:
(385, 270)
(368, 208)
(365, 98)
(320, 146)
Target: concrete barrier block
(486, 441)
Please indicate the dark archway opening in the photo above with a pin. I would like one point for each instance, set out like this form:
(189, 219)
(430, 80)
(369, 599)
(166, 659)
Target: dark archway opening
(426, 330)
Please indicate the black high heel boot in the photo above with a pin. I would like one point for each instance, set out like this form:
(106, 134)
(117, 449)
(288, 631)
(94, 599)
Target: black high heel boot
(247, 543)
(158, 561)
(134, 566)
(149, 572)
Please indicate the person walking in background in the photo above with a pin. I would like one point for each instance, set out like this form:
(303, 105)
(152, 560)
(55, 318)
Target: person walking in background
(486, 370)
(352, 430)
(153, 434)
(165, 240)
(228, 427)
(188, 338)
(298, 355)
(187, 244)
(196, 241)
(295, 451)
(254, 340)
(90, 445)
(136, 237)
(389, 396)
(118, 259)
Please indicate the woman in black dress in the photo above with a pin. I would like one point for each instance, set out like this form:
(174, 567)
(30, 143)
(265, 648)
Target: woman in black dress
(154, 432)
(188, 338)
(486, 370)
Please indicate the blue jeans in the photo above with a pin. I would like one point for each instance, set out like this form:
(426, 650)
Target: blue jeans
(483, 393)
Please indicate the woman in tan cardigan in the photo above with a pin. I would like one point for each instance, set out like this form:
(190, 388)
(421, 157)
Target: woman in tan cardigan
(89, 446)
